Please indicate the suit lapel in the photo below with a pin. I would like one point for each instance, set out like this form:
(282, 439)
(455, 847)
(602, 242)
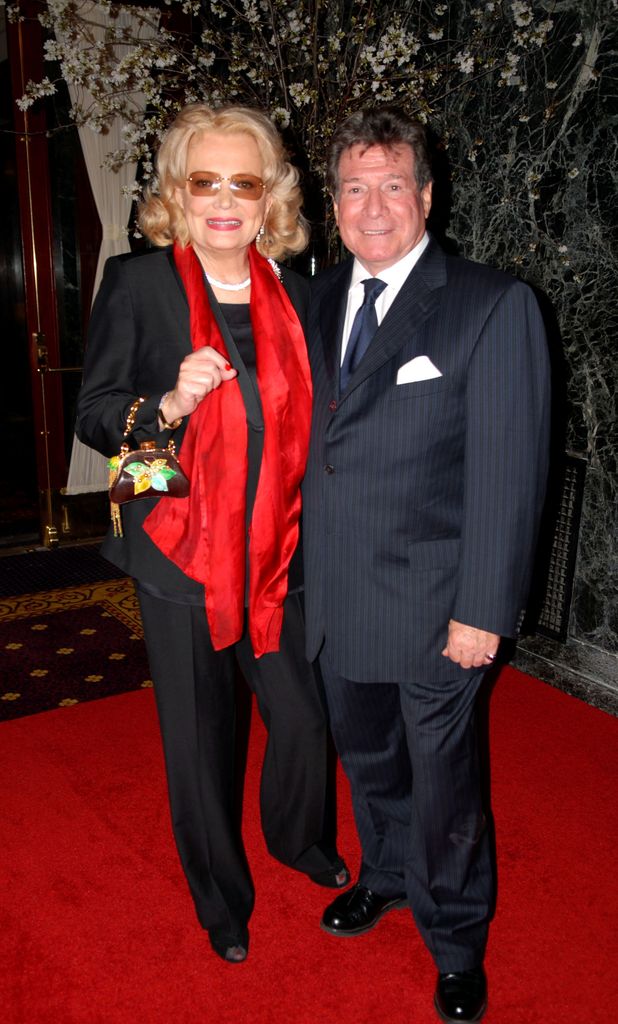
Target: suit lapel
(182, 295)
(417, 300)
(332, 318)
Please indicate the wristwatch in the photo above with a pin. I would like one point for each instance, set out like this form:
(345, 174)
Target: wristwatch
(163, 422)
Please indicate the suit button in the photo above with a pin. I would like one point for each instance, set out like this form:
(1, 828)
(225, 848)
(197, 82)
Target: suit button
(328, 468)
(332, 405)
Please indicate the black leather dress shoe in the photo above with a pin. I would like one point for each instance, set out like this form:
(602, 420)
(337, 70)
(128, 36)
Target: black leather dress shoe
(335, 876)
(461, 995)
(358, 910)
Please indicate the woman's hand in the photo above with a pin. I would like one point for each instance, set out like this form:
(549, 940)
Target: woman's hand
(199, 373)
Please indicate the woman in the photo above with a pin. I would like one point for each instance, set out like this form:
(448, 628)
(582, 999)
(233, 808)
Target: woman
(208, 332)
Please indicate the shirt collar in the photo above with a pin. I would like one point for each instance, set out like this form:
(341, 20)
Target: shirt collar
(397, 273)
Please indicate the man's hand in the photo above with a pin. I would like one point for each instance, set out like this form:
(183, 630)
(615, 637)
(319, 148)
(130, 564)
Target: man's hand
(470, 647)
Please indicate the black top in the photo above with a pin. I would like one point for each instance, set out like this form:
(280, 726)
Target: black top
(238, 319)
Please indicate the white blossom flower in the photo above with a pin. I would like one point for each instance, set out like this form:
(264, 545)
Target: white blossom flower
(299, 93)
(539, 34)
(281, 116)
(435, 33)
(132, 191)
(508, 73)
(334, 41)
(35, 91)
(522, 13)
(465, 62)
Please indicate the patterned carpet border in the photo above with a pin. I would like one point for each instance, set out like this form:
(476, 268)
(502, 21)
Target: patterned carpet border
(65, 646)
(118, 596)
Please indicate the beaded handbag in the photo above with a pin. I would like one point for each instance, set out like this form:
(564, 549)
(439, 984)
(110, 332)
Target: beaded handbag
(149, 472)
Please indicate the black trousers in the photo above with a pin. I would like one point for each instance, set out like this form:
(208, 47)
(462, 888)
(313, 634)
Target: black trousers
(410, 753)
(195, 689)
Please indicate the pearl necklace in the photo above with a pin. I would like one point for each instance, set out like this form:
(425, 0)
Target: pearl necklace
(229, 287)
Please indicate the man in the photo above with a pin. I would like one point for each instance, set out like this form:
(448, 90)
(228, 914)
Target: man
(422, 498)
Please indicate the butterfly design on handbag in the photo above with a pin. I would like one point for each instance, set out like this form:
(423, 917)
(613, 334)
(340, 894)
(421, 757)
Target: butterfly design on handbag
(147, 475)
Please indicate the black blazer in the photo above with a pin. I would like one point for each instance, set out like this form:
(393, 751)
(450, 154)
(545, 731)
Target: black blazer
(137, 338)
(422, 499)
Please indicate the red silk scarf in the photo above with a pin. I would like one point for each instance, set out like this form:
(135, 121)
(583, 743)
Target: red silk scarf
(204, 534)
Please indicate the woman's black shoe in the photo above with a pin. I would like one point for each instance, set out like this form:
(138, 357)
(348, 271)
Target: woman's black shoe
(231, 948)
(335, 876)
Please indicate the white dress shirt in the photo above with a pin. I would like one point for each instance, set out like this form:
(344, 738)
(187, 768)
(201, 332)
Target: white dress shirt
(393, 276)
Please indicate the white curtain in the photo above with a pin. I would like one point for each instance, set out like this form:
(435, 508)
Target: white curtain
(88, 469)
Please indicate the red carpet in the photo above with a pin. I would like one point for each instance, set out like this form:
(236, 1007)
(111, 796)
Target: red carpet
(97, 927)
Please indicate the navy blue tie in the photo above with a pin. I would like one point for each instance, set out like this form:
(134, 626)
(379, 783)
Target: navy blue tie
(364, 327)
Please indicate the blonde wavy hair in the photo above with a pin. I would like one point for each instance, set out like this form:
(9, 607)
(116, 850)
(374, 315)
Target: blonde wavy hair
(161, 218)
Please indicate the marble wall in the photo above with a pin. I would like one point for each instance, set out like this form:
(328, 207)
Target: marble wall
(532, 180)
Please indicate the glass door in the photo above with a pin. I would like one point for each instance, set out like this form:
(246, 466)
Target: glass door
(51, 236)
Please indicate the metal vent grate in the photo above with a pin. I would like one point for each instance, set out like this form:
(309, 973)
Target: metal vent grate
(552, 587)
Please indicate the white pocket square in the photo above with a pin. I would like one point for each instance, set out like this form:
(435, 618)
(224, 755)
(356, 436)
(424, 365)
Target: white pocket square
(420, 368)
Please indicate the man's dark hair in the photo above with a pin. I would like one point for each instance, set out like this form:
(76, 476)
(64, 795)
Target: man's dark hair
(379, 126)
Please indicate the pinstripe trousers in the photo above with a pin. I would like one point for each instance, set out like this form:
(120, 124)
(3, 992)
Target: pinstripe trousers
(410, 753)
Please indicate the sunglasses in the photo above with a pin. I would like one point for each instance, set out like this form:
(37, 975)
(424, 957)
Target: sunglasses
(206, 183)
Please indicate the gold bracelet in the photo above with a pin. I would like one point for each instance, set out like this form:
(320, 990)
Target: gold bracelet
(167, 426)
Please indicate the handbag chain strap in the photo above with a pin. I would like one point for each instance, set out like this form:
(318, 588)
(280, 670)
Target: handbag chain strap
(114, 465)
(124, 447)
(132, 415)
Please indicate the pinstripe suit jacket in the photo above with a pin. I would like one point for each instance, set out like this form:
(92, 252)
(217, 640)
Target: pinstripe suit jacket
(422, 500)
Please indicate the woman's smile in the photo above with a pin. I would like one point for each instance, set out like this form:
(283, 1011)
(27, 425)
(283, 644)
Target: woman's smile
(221, 224)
